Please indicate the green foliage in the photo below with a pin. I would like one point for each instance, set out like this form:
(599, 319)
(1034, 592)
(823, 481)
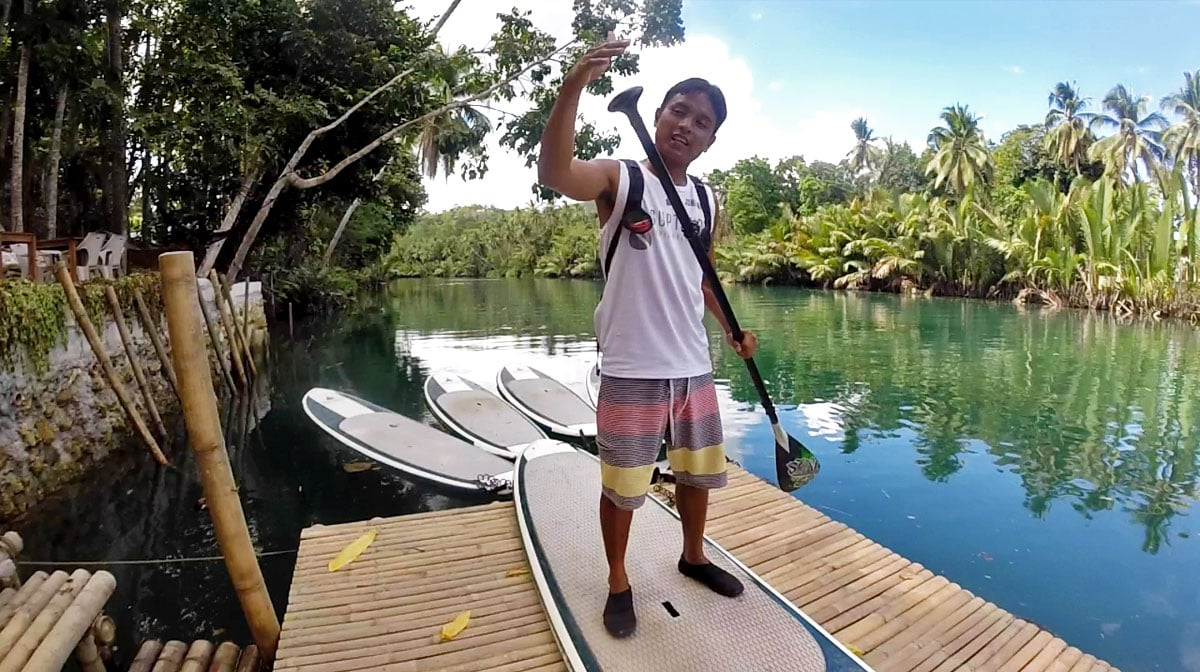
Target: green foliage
(555, 241)
(33, 317)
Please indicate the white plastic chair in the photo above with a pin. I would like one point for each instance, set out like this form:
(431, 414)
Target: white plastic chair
(89, 257)
(112, 256)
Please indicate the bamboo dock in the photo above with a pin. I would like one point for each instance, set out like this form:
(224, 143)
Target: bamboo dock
(385, 610)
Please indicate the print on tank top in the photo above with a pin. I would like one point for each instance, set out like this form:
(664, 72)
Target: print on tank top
(650, 319)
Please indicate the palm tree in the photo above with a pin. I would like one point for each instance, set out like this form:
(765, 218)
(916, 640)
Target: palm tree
(865, 153)
(961, 158)
(1182, 141)
(1069, 137)
(443, 138)
(1137, 137)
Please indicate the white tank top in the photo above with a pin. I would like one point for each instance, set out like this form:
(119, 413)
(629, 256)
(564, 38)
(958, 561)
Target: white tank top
(650, 320)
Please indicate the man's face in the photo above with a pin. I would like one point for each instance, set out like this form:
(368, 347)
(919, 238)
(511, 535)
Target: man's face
(684, 127)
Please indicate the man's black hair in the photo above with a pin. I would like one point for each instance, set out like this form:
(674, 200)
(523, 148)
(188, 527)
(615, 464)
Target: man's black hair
(700, 85)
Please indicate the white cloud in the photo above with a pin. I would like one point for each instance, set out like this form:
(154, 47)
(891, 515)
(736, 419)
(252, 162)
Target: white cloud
(1016, 69)
(749, 130)
(757, 16)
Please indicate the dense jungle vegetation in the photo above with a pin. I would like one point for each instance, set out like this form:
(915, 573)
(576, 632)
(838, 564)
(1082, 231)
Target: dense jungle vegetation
(1094, 205)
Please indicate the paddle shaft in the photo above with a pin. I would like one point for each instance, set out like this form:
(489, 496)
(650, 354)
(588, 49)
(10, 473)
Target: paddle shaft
(689, 230)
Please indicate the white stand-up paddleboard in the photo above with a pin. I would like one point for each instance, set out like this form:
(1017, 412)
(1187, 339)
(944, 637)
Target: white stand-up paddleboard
(592, 384)
(546, 401)
(681, 624)
(479, 416)
(406, 444)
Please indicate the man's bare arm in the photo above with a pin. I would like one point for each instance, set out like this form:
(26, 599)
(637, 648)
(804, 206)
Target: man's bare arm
(558, 169)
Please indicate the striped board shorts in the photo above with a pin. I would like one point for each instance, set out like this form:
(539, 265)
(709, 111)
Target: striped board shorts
(633, 416)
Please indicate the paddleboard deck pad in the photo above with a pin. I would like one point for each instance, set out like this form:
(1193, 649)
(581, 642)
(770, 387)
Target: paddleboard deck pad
(682, 625)
(479, 416)
(406, 444)
(546, 401)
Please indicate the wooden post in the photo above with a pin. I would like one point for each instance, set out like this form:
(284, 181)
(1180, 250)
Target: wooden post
(241, 334)
(60, 643)
(211, 324)
(151, 329)
(29, 611)
(88, 654)
(231, 337)
(249, 661)
(114, 304)
(225, 657)
(31, 586)
(85, 325)
(180, 294)
(22, 649)
(146, 656)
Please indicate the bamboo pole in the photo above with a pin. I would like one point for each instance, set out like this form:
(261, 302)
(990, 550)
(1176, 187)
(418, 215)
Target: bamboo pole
(11, 545)
(114, 304)
(146, 656)
(88, 654)
(7, 595)
(151, 329)
(223, 282)
(210, 324)
(225, 658)
(22, 649)
(27, 612)
(105, 629)
(8, 574)
(198, 656)
(85, 324)
(56, 649)
(199, 402)
(26, 591)
(171, 657)
(231, 337)
(249, 661)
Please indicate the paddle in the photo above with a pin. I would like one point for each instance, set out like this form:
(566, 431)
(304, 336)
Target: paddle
(795, 465)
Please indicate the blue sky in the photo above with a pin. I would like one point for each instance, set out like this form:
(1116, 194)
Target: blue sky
(796, 72)
(903, 61)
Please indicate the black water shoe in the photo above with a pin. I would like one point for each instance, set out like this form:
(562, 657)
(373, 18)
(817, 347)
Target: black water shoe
(717, 579)
(619, 619)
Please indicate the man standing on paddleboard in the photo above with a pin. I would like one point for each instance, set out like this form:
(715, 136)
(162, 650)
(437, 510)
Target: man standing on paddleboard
(656, 374)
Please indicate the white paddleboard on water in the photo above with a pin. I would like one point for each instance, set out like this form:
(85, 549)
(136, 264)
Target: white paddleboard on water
(546, 401)
(682, 625)
(406, 444)
(479, 416)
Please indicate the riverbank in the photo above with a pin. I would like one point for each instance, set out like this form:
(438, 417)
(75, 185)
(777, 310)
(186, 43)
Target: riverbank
(60, 416)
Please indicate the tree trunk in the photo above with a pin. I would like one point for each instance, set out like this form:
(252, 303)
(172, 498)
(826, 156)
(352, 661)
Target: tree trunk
(16, 185)
(118, 177)
(52, 171)
(337, 235)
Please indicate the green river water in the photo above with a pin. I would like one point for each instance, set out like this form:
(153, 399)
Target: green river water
(1046, 462)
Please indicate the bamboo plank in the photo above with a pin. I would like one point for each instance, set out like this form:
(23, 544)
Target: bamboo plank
(383, 611)
(199, 654)
(18, 652)
(146, 656)
(31, 586)
(60, 642)
(27, 612)
(225, 657)
(171, 657)
(250, 660)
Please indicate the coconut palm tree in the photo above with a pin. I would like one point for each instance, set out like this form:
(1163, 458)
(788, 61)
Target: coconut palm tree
(961, 158)
(865, 155)
(1182, 141)
(1137, 136)
(1068, 137)
(444, 137)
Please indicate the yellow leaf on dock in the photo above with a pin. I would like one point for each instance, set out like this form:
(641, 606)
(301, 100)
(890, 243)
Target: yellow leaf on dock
(352, 551)
(356, 467)
(520, 571)
(451, 629)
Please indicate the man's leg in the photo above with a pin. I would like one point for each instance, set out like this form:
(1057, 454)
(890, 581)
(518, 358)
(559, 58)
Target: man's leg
(614, 527)
(697, 457)
(630, 417)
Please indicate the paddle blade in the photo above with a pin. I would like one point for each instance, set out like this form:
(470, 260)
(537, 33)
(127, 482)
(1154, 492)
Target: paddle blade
(795, 465)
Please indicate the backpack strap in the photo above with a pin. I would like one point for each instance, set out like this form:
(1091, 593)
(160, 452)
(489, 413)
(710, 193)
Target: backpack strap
(702, 194)
(633, 215)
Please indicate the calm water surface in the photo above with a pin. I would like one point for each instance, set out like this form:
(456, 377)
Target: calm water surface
(1046, 462)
